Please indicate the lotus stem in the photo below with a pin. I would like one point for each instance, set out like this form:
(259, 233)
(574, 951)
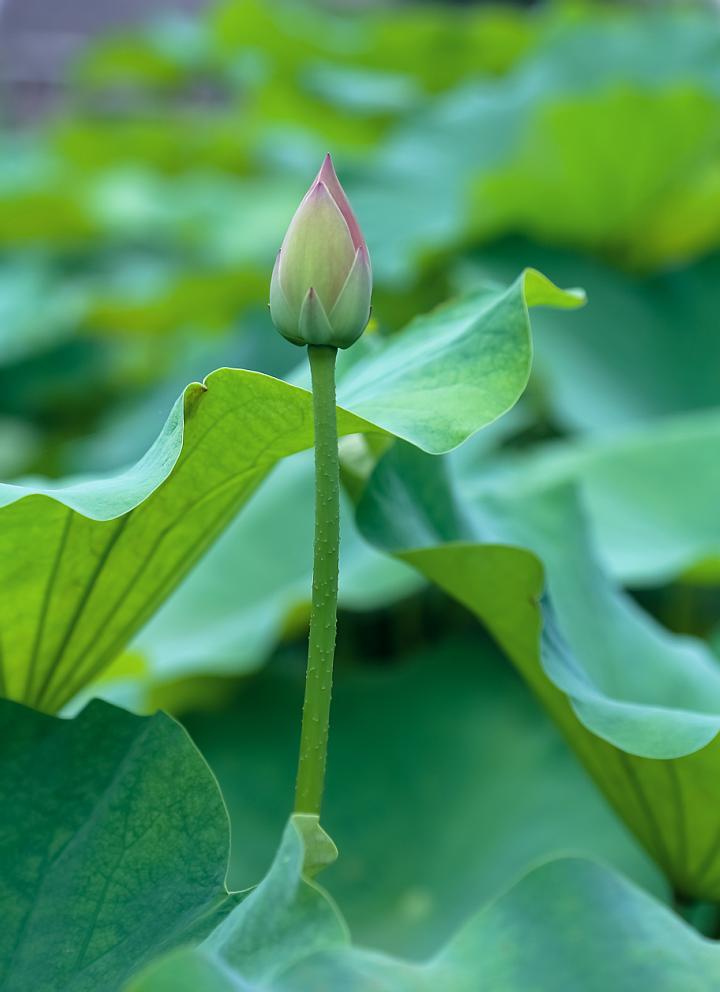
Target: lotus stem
(323, 616)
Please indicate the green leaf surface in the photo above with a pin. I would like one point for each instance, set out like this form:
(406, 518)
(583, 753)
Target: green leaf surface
(640, 706)
(488, 787)
(566, 925)
(113, 844)
(86, 562)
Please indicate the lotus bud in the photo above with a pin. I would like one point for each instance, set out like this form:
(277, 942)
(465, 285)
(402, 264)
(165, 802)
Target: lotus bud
(322, 281)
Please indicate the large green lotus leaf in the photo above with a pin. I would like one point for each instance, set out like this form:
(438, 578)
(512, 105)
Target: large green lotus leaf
(651, 492)
(113, 845)
(488, 788)
(625, 362)
(226, 618)
(566, 925)
(563, 126)
(660, 182)
(86, 562)
(640, 706)
(284, 919)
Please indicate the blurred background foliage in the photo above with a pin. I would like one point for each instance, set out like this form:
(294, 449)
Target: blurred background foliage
(138, 224)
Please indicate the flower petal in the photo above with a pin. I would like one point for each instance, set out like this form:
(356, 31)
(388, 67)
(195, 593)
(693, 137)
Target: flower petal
(314, 326)
(284, 317)
(317, 250)
(328, 176)
(351, 312)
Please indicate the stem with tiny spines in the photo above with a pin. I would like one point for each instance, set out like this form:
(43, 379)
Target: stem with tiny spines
(323, 615)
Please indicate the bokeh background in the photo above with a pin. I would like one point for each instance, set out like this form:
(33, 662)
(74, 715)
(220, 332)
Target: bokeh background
(151, 156)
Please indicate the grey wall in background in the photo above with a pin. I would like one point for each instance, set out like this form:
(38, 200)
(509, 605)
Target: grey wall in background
(37, 37)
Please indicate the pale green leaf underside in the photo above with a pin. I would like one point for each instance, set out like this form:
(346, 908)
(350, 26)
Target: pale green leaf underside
(226, 618)
(652, 519)
(84, 564)
(114, 846)
(640, 706)
(596, 376)
(567, 925)
(431, 723)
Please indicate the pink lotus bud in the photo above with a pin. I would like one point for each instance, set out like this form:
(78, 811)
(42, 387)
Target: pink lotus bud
(322, 282)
